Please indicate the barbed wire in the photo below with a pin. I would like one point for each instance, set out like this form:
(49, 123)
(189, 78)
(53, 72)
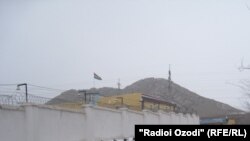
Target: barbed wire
(21, 98)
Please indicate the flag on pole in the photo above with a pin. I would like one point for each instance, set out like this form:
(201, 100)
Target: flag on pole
(97, 77)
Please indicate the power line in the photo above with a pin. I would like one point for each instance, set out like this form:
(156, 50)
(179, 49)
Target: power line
(34, 86)
(8, 84)
(46, 87)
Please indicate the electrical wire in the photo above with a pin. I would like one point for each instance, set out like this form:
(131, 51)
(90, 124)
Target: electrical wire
(46, 87)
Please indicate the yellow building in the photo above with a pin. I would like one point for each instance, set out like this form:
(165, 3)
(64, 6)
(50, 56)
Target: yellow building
(231, 121)
(70, 105)
(133, 101)
(136, 101)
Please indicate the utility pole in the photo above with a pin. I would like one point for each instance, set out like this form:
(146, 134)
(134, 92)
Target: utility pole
(26, 90)
(169, 74)
(119, 87)
(119, 84)
(169, 77)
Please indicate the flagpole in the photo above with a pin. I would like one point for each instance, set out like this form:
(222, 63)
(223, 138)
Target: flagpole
(94, 82)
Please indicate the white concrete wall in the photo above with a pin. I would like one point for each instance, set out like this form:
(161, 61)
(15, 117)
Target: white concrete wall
(12, 124)
(58, 125)
(133, 118)
(106, 123)
(44, 123)
(38, 123)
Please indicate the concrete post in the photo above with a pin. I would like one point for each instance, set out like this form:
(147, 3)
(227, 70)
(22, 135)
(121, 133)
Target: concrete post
(125, 126)
(180, 117)
(145, 116)
(197, 119)
(161, 117)
(188, 118)
(30, 113)
(90, 131)
(171, 120)
(175, 118)
(185, 118)
(165, 117)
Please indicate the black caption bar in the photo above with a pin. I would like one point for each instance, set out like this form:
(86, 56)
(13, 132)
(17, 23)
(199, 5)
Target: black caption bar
(203, 132)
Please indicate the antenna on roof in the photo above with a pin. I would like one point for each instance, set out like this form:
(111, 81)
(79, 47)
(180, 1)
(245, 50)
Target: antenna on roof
(169, 76)
(119, 87)
(169, 73)
(119, 84)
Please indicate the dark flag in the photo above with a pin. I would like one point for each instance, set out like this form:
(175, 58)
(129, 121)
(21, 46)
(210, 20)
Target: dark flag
(97, 77)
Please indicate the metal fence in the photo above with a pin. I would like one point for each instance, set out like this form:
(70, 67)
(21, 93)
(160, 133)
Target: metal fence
(17, 100)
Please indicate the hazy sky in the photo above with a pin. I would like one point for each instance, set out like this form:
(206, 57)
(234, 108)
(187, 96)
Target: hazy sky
(60, 43)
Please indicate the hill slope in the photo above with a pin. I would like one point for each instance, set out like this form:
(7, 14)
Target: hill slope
(160, 88)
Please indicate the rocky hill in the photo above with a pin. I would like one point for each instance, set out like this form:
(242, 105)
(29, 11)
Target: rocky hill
(163, 89)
